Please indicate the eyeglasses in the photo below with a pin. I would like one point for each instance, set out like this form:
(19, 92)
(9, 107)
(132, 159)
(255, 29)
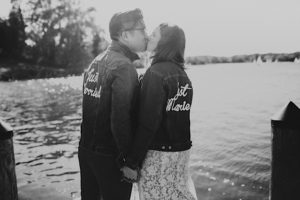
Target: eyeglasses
(143, 30)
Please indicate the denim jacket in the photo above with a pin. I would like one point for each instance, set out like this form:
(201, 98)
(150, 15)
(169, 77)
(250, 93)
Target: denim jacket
(164, 112)
(110, 89)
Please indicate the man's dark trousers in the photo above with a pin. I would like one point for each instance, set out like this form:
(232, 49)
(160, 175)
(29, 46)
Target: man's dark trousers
(101, 177)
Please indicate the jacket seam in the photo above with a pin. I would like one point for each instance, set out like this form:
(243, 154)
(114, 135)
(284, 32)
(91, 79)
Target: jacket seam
(174, 75)
(157, 73)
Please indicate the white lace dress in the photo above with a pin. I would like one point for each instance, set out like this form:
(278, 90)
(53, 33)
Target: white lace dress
(165, 176)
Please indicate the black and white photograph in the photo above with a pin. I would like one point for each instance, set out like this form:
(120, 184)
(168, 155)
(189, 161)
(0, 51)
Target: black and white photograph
(149, 99)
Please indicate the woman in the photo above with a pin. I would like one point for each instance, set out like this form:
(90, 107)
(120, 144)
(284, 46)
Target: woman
(162, 142)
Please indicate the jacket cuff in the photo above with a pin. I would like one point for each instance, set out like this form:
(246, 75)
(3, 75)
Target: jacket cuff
(121, 160)
(131, 164)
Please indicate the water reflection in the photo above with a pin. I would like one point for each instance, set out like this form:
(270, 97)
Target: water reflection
(230, 130)
(46, 117)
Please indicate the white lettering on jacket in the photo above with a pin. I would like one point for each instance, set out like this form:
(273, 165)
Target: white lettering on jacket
(181, 92)
(92, 78)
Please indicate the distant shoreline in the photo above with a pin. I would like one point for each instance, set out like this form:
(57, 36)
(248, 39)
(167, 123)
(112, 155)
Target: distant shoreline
(14, 70)
(17, 70)
(257, 58)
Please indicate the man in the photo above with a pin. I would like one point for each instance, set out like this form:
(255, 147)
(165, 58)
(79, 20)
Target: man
(110, 88)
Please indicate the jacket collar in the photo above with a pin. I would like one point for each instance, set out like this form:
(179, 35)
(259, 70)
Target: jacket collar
(123, 49)
(159, 60)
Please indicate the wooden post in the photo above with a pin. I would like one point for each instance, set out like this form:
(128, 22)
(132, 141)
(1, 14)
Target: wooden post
(285, 175)
(8, 182)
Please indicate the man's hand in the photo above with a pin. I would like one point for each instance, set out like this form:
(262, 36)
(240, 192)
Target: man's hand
(129, 175)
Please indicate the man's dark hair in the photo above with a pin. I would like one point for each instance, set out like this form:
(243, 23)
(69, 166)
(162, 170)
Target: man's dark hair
(124, 21)
(171, 45)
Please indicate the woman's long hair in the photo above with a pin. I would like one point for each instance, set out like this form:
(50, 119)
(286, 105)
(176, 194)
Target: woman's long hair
(171, 45)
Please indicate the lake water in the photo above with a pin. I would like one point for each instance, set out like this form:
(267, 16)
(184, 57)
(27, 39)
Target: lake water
(230, 123)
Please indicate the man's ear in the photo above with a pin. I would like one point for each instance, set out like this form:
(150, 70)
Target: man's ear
(124, 35)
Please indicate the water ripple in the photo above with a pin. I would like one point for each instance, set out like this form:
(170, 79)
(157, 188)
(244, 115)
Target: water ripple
(230, 124)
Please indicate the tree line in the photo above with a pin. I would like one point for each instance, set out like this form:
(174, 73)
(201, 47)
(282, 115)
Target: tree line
(56, 34)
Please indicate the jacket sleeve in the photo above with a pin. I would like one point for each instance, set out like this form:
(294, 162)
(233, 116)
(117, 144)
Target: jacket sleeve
(152, 98)
(122, 94)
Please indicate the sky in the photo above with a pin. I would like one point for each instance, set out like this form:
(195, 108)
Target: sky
(214, 27)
